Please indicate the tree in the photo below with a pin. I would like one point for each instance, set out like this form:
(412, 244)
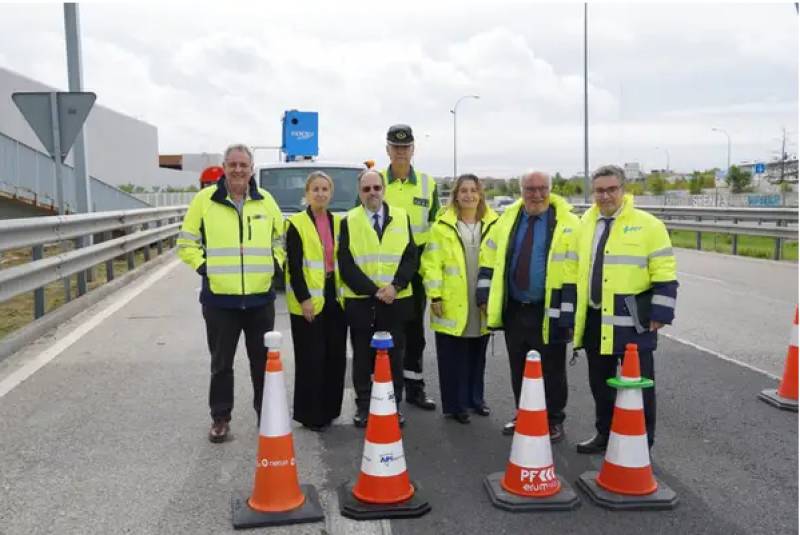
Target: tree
(634, 188)
(656, 184)
(738, 180)
(696, 183)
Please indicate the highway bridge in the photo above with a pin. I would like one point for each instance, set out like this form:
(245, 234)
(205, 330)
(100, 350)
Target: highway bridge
(105, 419)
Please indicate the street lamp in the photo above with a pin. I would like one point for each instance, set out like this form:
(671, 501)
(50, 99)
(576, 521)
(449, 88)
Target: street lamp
(667, 153)
(729, 146)
(455, 154)
(727, 169)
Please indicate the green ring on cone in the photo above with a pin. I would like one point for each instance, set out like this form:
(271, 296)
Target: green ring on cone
(644, 382)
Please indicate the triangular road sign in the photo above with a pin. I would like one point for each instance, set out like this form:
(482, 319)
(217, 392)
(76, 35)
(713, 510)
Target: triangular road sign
(73, 108)
(35, 107)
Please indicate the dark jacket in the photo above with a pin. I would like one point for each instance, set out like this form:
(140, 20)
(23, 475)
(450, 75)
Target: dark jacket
(370, 312)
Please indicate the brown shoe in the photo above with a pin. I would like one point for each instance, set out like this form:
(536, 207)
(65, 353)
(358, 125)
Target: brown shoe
(219, 431)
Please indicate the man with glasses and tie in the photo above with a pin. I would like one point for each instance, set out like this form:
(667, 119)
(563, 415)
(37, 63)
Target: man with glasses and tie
(520, 286)
(377, 259)
(624, 286)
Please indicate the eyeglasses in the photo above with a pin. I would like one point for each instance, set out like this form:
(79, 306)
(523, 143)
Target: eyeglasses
(541, 190)
(613, 190)
(376, 187)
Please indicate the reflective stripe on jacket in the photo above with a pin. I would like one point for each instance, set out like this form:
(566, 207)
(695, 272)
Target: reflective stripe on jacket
(417, 199)
(496, 260)
(638, 257)
(378, 259)
(444, 271)
(236, 252)
(313, 262)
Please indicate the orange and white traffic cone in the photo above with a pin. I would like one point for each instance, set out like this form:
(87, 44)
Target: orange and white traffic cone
(785, 397)
(277, 496)
(626, 478)
(383, 489)
(530, 482)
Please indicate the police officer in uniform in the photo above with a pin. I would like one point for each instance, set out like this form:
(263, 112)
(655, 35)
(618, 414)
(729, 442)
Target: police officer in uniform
(233, 235)
(377, 259)
(416, 193)
(623, 254)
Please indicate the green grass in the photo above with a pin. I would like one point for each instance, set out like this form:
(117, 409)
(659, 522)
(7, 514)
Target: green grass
(18, 311)
(755, 246)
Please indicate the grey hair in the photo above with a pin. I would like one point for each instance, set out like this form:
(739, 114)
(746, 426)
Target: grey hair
(534, 171)
(240, 147)
(610, 170)
(365, 172)
(318, 174)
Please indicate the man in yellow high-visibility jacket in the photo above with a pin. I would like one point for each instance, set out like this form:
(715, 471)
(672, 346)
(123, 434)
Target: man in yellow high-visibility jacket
(624, 266)
(416, 193)
(232, 235)
(520, 283)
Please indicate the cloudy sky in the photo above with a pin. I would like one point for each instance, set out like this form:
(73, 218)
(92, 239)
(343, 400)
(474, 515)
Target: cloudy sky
(661, 76)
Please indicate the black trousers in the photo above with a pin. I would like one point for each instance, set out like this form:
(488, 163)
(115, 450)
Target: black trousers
(462, 363)
(415, 338)
(523, 332)
(364, 362)
(223, 327)
(320, 361)
(602, 367)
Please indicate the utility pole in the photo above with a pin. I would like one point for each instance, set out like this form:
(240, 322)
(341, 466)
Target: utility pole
(783, 155)
(586, 102)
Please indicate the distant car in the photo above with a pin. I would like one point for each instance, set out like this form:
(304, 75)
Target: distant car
(500, 203)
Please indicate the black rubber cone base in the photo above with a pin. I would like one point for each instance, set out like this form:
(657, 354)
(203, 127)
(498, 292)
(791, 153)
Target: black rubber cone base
(564, 500)
(245, 517)
(771, 396)
(351, 507)
(663, 498)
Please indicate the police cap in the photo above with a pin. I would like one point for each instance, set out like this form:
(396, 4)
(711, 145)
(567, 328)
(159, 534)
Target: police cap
(400, 134)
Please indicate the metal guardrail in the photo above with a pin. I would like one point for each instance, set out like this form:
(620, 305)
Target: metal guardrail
(781, 222)
(36, 232)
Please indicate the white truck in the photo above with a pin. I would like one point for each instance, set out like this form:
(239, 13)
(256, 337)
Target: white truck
(286, 181)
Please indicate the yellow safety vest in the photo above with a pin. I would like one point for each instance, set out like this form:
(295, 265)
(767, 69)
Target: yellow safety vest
(378, 259)
(313, 262)
(494, 255)
(444, 271)
(416, 199)
(638, 253)
(239, 250)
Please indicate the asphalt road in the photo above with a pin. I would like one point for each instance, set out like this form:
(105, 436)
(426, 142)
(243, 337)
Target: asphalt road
(110, 436)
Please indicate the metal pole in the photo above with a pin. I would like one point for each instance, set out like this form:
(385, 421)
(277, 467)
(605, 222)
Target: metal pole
(455, 151)
(83, 188)
(585, 102)
(57, 160)
(454, 111)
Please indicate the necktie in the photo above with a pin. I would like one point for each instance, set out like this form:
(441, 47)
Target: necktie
(522, 272)
(377, 225)
(597, 269)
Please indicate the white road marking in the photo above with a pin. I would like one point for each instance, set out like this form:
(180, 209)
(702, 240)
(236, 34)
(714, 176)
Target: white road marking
(719, 355)
(35, 363)
(703, 277)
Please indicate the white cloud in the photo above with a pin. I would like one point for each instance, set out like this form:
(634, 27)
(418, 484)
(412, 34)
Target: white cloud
(660, 75)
